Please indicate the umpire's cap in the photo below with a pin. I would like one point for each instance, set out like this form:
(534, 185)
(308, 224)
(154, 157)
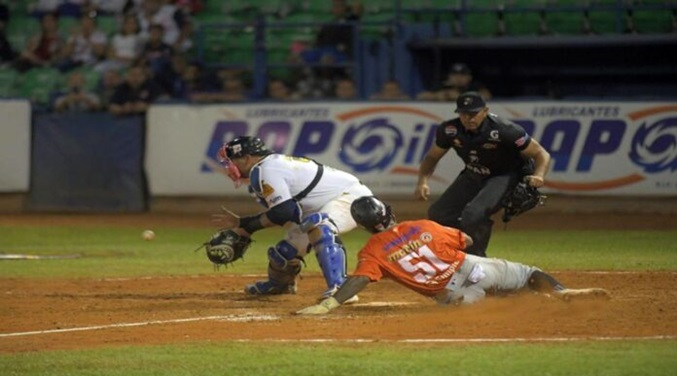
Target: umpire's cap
(470, 101)
(246, 145)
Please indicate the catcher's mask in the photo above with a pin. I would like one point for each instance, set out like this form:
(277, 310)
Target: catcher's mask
(238, 148)
(372, 214)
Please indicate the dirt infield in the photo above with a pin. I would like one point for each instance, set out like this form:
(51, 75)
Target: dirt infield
(78, 314)
(38, 315)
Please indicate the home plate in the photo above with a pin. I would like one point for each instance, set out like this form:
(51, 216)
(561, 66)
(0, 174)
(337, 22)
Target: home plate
(382, 304)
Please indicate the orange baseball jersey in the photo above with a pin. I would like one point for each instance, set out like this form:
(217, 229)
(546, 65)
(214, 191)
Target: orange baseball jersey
(421, 255)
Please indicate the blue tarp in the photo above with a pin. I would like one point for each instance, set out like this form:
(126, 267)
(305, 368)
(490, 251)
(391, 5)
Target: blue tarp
(87, 163)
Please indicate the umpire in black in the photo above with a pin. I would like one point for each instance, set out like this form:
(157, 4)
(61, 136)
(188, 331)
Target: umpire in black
(497, 154)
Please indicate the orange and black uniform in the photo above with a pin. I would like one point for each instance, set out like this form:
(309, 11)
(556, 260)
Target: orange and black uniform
(421, 255)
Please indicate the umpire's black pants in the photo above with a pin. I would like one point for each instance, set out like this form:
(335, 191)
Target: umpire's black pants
(469, 203)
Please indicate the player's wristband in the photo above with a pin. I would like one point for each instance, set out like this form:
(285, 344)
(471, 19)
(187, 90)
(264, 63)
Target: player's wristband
(251, 224)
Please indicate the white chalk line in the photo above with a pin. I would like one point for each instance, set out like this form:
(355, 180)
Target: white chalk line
(231, 318)
(605, 272)
(251, 317)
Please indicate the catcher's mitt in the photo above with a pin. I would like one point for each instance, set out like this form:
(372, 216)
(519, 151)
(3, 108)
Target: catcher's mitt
(225, 247)
(521, 199)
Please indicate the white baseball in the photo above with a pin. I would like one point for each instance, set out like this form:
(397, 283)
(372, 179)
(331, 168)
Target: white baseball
(148, 235)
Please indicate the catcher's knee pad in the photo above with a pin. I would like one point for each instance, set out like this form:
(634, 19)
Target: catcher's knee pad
(282, 253)
(331, 255)
(283, 267)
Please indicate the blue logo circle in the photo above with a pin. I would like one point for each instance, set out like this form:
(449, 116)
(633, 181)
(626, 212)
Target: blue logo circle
(654, 146)
(370, 146)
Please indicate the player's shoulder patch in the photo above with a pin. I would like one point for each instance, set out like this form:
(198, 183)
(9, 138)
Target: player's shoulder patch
(450, 129)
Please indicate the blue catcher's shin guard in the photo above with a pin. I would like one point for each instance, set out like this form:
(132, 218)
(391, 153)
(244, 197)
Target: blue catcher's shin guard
(328, 248)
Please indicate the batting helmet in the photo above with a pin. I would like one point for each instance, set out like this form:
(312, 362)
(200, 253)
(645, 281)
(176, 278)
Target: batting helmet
(372, 214)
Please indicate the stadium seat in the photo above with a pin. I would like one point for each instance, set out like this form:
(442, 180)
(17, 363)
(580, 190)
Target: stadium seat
(108, 24)
(653, 21)
(225, 46)
(38, 84)
(91, 76)
(8, 82)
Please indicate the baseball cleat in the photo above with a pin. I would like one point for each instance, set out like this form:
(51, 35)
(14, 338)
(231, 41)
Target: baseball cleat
(329, 293)
(568, 294)
(269, 288)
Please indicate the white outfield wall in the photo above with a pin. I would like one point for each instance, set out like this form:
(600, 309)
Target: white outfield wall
(15, 145)
(598, 148)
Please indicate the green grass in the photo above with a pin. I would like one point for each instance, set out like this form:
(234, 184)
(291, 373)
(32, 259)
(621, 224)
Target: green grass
(119, 252)
(374, 359)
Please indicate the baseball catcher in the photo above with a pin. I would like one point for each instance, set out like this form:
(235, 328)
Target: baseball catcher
(225, 247)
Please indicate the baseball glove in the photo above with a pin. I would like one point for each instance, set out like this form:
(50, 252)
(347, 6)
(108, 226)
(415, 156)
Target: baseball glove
(521, 199)
(225, 247)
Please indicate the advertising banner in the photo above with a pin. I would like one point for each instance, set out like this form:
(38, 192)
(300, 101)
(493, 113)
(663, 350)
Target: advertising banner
(607, 148)
(15, 145)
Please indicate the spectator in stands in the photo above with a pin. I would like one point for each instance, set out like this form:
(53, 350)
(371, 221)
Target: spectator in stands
(156, 12)
(196, 80)
(184, 43)
(316, 83)
(44, 48)
(113, 7)
(106, 87)
(390, 91)
(41, 7)
(172, 79)
(65, 8)
(336, 37)
(278, 90)
(156, 53)
(77, 98)
(125, 47)
(85, 46)
(345, 89)
(232, 90)
(7, 51)
(135, 94)
(458, 81)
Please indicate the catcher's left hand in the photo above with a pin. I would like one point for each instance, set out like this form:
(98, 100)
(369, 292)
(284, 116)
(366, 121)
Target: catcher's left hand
(227, 219)
(226, 246)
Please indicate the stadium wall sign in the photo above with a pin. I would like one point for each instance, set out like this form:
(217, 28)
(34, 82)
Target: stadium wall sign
(609, 148)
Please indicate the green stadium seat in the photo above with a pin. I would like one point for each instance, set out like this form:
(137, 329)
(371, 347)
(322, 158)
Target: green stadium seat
(67, 25)
(224, 46)
(481, 24)
(20, 30)
(566, 23)
(605, 22)
(8, 82)
(108, 24)
(522, 23)
(92, 77)
(38, 84)
(653, 21)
